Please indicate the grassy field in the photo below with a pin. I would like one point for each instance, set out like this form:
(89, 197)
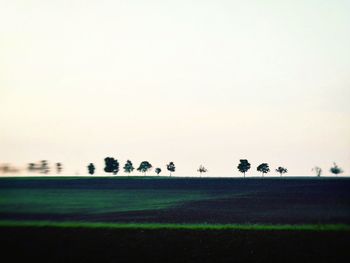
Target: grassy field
(119, 219)
(160, 226)
(92, 201)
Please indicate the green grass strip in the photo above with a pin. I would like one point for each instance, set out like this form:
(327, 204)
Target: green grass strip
(155, 226)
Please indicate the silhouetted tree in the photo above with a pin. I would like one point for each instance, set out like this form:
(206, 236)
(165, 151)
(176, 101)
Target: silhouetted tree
(335, 169)
(91, 168)
(158, 171)
(111, 165)
(243, 166)
(281, 170)
(44, 167)
(5, 168)
(58, 168)
(128, 167)
(201, 170)
(263, 168)
(171, 167)
(144, 167)
(8, 168)
(317, 170)
(32, 167)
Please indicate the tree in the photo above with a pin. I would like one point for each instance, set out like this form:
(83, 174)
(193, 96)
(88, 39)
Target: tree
(281, 170)
(170, 167)
(111, 165)
(144, 167)
(317, 170)
(58, 168)
(335, 169)
(91, 168)
(44, 167)
(263, 168)
(32, 167)
(201, 170)
(7, 168)
(243, 166)
(158, 171)
(128, 167)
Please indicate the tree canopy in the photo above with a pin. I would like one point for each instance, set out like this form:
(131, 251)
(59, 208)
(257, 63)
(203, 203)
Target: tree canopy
(91, 168)
(128, 167)
(263, 168)
(202, 169)
(45, 169)
(335, 169)
(171, 167)
(144, 167)
(243, 166)
(281, 170)
(158, 170)
(111, 165)
(59, 167)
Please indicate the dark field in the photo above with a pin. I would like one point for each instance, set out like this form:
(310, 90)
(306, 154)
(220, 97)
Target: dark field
(181, 200)
(278, 201)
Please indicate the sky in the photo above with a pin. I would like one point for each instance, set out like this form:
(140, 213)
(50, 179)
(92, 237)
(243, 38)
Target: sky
(193, 82)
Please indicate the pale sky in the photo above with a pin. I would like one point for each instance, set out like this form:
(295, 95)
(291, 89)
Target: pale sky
(194, 82)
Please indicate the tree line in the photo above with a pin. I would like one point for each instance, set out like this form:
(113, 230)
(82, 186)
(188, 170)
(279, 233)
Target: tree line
(111, 165)
(43, 167)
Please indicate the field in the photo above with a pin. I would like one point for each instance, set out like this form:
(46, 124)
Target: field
(205, 220)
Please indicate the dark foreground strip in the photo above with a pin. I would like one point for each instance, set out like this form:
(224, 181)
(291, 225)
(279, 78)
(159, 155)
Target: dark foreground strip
(68, 242)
